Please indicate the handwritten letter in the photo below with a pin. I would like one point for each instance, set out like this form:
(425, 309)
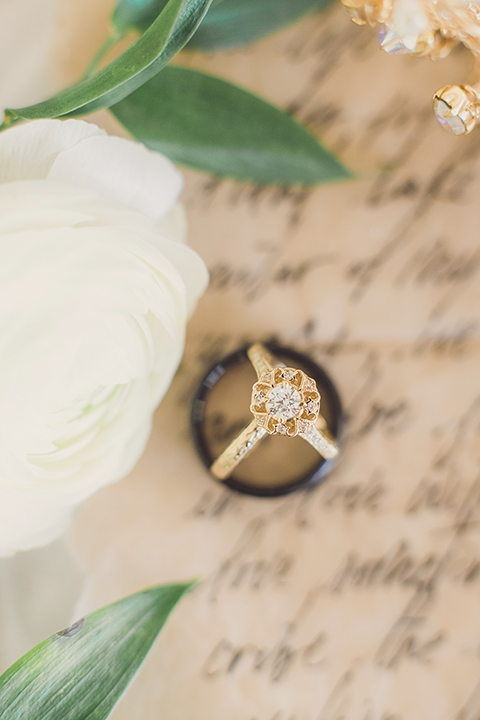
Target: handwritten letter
(359, 600)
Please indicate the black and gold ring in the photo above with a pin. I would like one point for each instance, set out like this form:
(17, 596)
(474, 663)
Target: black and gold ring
(285, 403)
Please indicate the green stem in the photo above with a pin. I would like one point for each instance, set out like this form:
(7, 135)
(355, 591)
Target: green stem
(104, 49)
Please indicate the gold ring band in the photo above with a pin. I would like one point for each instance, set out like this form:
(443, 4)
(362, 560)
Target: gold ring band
(285, 401)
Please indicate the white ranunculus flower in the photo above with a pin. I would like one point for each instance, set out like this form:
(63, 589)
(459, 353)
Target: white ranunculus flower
(96, 286)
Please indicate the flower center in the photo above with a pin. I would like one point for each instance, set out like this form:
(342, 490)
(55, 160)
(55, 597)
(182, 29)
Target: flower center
(283, 401)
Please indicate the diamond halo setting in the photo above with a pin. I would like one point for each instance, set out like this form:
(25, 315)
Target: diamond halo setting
(285, 401)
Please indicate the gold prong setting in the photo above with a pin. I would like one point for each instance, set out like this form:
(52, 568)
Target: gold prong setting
(456, 108)
(285, 401)
(430, 28)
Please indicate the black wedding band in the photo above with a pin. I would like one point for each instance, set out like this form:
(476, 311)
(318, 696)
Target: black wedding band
(280, 465)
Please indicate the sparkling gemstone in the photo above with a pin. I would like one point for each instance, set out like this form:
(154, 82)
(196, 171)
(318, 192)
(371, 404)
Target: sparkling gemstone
(281, 429)
(288, 374)
(258, 397)
(394, 44)
(302, 426)
(311, 406)
(450, 122)
(284, 401)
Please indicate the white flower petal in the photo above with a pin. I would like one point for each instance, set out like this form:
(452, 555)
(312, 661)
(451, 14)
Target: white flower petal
(39, 204)
(95, 285)
(29, 521)
(123, 171)
(190, 266)
(173, 225)
(28, 151)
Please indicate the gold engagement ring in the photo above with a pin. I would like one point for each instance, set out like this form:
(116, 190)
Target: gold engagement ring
(285, 401)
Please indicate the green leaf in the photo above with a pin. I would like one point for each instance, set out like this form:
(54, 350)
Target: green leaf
(206, 123)
(136, 14)
(233, 23)
(83, 671)
(149, 54)
(228, 24)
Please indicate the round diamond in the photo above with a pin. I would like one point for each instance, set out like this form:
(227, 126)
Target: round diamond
(455, 107)
(450, 122)
(284, 401)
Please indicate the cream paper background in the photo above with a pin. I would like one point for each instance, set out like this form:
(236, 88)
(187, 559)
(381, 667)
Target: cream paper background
(361, 599)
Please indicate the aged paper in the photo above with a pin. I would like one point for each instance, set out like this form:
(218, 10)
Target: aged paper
(359, 600)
